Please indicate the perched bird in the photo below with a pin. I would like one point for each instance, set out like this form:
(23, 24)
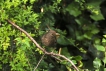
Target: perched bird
(49, 38)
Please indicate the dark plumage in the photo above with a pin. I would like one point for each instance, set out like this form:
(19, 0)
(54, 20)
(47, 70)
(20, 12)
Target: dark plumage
(49, 38)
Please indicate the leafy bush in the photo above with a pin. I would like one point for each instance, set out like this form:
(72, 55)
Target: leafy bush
(80, 23)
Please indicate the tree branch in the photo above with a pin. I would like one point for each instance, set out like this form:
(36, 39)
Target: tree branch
(39, 62)
(45, 52)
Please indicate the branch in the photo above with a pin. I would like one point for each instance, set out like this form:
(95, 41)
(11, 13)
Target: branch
(12, 23)
(45, 52)
(62, 56)
(39, 62)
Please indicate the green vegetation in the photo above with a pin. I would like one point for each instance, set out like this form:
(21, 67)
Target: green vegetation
(80, 23)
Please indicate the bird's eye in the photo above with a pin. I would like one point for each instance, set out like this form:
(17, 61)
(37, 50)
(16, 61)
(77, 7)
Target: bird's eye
(51, 34)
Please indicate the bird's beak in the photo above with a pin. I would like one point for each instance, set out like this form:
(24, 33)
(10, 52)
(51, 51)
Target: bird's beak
(57, 35)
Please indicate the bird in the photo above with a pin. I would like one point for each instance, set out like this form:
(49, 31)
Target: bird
(50, 38)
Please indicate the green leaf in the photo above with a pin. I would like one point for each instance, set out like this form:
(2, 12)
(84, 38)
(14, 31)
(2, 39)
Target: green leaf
(63, 40)
(104, 40)
(97, 63)
(97, 17)
(104, 69)
(78, 58)
(104, 60)
(100, 47)
(65, 52)
(5, 45)
(18, 40)
(93, 6)
(25, 1)
(94, 31)
(87, 35)
(104, 36)
(97, 40)
(32, 1)
(73, 9)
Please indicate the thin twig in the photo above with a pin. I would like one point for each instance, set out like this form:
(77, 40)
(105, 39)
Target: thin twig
(45, 52)
(48, 27)
(39, 63)
(56, 58)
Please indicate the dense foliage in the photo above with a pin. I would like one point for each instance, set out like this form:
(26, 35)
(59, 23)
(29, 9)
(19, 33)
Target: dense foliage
(80, 23)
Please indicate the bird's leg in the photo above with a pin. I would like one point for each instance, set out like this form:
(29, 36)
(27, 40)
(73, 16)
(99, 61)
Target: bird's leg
(59, 51)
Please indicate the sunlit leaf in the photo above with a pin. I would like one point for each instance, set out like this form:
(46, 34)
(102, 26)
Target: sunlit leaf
(5, 46)
(95, 9)
(104, 60)
(104, 40)
(100, 47)
(97, 63)
(104, 36)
